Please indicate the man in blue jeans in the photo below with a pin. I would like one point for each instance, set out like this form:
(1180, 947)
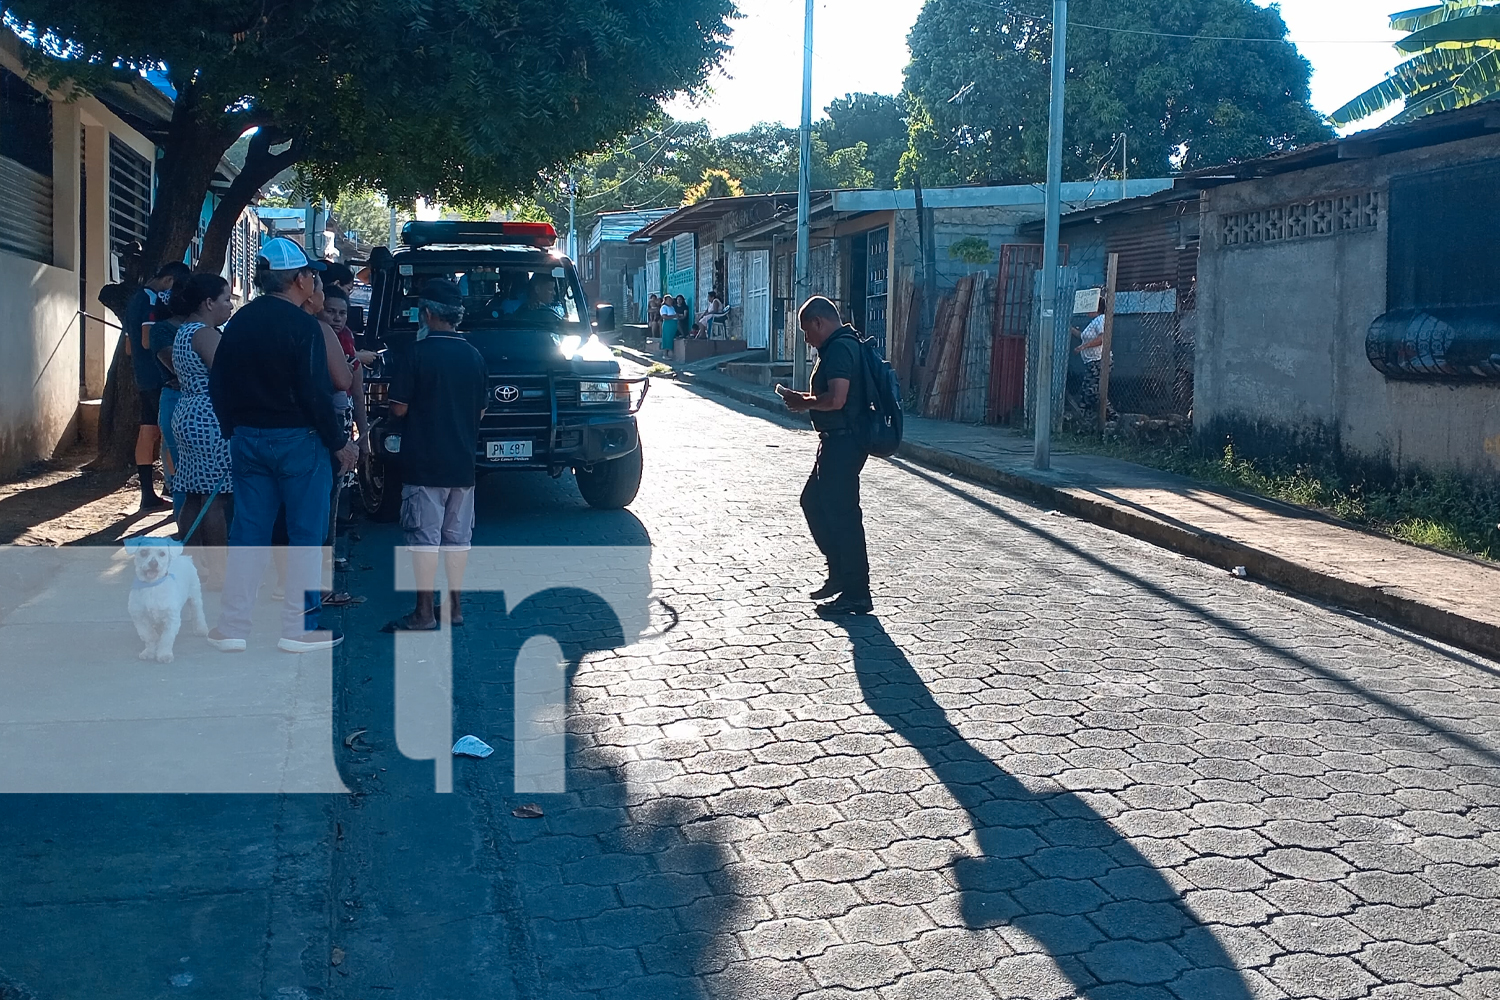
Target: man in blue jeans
(274, 400)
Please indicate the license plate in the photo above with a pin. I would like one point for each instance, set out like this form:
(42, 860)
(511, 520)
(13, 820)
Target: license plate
(507, 449)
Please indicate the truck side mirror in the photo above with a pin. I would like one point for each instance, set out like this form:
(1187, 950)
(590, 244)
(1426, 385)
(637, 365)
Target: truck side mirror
(604, 317)
(357, 318)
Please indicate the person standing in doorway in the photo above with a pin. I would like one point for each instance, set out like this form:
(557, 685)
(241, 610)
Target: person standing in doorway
(271, 391)
(140, 314)
(439, 389)
(830, 500)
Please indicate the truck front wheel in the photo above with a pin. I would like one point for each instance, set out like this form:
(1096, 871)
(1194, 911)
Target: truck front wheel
(611, 485)
(379, 487)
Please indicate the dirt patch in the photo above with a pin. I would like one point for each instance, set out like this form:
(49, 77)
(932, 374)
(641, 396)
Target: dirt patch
(62, 503)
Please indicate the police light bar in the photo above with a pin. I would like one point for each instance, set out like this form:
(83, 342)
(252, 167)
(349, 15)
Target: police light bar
(534, 234)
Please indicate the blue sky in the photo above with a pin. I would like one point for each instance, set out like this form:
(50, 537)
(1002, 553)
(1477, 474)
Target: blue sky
(860, 45)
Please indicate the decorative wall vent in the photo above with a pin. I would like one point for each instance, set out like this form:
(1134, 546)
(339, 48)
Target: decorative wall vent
(1302, 220)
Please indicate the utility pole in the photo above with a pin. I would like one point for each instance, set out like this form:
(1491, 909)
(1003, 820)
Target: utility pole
(1048, 340)
(572, 217)
(804, 195)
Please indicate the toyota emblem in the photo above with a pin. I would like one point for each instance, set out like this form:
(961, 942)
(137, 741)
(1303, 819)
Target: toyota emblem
(507, 394)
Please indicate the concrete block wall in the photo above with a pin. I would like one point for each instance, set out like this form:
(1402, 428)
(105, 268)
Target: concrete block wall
(1282, 325)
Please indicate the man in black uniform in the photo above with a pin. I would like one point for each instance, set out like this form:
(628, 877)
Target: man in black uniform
(830, 500)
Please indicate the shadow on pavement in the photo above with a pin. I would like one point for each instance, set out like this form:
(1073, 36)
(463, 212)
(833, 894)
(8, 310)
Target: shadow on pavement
(1048, 864)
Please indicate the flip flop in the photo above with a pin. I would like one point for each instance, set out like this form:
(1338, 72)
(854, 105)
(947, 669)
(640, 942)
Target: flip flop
(403, 624)
(338, 599)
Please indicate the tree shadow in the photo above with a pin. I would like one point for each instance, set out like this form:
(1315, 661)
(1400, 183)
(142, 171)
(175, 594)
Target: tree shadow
(1048, 863)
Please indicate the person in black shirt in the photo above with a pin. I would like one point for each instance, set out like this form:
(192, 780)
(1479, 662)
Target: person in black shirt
(439, 388)
(272, 395)
(147, 305)
(830, 501)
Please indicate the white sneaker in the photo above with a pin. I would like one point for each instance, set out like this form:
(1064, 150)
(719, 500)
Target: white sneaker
(218, 640)
(310, 642)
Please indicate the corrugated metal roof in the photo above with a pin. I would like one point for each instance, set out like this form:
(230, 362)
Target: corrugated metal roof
(1429, 130)
(616, 227)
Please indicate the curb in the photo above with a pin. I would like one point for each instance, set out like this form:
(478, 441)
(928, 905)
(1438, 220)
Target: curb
(1216, 550)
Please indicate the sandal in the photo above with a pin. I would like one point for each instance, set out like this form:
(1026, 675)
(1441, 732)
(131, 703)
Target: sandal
(338, 599)
(403, 624)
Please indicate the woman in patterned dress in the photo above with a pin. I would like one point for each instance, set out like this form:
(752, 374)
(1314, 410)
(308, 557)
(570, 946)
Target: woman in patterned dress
(203, 453)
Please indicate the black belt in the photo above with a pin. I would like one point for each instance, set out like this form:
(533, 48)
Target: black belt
(842, 432)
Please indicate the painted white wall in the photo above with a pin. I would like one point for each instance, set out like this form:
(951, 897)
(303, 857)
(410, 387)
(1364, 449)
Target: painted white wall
(38, 360)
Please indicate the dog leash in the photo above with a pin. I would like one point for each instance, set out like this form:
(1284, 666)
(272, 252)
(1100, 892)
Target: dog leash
(204, 512)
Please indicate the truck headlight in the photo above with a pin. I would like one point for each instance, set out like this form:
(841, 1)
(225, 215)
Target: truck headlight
(603, 392)
(393, 444)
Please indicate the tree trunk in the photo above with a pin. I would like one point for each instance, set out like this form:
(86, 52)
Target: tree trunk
(261, 167)
(191, 153)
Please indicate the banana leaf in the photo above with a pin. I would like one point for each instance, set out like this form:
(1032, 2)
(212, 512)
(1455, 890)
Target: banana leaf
(1479, 28)
(1412, 79)
(1480, 81)
(1426, 17)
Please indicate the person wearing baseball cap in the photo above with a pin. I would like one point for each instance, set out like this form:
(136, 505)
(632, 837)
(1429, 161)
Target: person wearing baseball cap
(272, 394)
(439, 390)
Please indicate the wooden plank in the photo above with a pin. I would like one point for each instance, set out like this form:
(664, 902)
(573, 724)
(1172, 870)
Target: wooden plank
(1113, 274)
(948, 345)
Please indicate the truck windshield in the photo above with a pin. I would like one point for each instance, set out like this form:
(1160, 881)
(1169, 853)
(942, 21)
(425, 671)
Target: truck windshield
(496, 296)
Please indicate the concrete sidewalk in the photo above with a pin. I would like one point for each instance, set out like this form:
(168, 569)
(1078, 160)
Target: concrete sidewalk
(1447, 597)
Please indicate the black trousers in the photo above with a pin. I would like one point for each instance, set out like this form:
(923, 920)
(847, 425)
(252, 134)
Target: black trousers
(830, 501)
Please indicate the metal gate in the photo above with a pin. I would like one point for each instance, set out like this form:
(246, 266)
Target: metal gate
(1014, 301)
(877, 283)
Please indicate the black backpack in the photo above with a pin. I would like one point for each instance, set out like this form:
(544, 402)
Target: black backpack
(883, 421)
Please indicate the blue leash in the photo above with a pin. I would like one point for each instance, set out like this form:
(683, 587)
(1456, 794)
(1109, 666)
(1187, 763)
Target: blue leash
(204, 512)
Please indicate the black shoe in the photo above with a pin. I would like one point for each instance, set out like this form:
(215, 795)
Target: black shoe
(830, 589)
(849, 604)
(154, 502)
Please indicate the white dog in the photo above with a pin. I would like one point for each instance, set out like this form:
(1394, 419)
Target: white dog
(164, 590)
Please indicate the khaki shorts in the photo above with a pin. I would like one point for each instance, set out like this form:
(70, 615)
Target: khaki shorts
(437, 517)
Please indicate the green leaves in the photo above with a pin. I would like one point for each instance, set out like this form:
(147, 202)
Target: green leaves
(978, 87)
(1471, 27)
(1455, 62)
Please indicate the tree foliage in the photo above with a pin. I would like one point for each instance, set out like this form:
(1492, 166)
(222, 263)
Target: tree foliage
(1454, 50)
(666, 164)
(878, 121)
(457, 100)
(715, 184)
(979, 83)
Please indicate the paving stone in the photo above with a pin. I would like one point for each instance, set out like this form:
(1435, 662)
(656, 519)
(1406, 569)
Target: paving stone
(1423, 964)
(1320, 977)
(859, 966)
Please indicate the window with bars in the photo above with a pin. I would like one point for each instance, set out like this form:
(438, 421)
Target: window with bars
(129, 194)
(25, 169)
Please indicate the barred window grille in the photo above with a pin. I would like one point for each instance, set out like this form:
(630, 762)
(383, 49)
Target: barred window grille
(25, 170)
(129, 193)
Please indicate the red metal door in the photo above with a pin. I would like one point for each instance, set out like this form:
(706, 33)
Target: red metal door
(1014, 296)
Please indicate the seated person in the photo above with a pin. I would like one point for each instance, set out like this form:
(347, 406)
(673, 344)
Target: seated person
(541, 300)
(716, 310)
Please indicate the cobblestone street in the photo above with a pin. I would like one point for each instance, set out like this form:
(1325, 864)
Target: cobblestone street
(1056, 763)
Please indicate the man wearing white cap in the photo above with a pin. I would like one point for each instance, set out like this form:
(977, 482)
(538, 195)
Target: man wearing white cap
(272, 394)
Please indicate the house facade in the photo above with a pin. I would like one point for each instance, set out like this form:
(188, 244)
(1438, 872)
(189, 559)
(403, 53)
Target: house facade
(860, 243)
(77, 183)
(1349, 298)
(613, 263)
